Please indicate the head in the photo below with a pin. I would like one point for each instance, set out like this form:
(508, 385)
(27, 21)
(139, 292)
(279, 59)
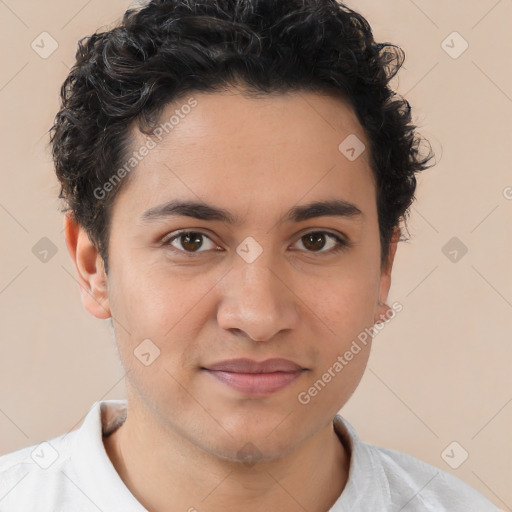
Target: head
(253, 110)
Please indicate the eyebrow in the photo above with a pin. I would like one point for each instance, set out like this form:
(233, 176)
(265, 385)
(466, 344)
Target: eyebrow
(203, 211)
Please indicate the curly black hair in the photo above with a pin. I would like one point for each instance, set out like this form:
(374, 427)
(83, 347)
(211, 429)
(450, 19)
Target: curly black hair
(165, 49)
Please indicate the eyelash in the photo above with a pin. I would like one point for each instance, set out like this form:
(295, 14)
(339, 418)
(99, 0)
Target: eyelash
(341, 244)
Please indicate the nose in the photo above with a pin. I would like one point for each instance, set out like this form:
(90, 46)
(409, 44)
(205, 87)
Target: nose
(257, 302)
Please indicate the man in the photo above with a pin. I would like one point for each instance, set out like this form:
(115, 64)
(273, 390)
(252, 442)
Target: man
(235, 174)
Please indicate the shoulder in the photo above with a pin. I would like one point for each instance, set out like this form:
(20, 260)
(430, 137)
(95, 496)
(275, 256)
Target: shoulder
(53, 452)
(392, 480)
(427, 486)
(36, 470)
(69, 472)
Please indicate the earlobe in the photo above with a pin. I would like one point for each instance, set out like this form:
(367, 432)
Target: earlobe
(90, 269)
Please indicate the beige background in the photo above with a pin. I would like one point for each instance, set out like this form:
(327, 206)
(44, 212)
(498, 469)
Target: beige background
(440, 371)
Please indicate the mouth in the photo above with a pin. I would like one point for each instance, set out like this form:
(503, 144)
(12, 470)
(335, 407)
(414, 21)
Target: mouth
(253, 378)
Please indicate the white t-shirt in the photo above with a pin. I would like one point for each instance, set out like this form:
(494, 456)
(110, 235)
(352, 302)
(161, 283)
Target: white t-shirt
(73, 473)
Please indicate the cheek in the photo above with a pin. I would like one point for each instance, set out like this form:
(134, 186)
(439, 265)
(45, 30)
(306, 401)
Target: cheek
(347, 315)
(345, 300)
(345, 305)
(156, 302)
(341, 348)
(147, 297)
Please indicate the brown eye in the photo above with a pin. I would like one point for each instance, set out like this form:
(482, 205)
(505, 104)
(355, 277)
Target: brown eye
(190, 242)
(316, 241)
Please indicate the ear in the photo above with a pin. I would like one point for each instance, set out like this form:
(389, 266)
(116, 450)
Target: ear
(385, 278)
(90, 269)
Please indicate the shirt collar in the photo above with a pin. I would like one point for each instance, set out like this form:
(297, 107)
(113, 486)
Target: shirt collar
(367, 487)
(102, 484)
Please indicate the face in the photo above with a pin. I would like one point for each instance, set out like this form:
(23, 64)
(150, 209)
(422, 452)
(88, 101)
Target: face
(255, 273)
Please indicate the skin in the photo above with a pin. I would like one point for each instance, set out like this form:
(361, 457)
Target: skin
(180, 447)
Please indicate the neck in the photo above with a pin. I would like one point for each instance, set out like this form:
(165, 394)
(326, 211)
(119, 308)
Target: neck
(166, 471)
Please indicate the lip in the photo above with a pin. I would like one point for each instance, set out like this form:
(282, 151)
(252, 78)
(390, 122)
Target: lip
(256, 378)
(244, 365)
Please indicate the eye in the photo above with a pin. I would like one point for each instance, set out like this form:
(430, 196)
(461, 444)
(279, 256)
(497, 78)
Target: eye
(193, 242)
(317, 241)
(190, 242)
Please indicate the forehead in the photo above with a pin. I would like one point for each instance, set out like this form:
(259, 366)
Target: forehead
(255, 152)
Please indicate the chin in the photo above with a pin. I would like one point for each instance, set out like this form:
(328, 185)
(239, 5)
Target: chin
(260, 440)
(249, 453)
